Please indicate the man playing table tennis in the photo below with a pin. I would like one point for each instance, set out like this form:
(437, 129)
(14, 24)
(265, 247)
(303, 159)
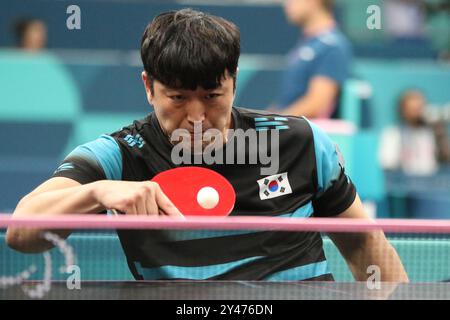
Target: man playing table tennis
(190, 66)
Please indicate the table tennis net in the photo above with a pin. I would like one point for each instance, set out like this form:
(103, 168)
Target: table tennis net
(223, 258)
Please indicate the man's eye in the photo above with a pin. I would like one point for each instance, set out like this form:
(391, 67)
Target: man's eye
(212, 96)
(176, 97)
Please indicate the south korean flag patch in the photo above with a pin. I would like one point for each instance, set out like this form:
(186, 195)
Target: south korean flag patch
(274, 186)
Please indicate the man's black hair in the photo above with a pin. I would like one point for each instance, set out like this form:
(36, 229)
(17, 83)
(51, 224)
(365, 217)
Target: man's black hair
(21, 26)
(186, 49)
(328, 5)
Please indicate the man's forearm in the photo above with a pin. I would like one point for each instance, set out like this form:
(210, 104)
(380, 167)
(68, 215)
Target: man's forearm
(391, 267)
(321, 95)
(77, 199)
(303, 107)
(375, 250)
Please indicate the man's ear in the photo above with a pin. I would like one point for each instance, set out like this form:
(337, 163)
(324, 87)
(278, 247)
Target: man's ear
(235, 81)
(148, 89)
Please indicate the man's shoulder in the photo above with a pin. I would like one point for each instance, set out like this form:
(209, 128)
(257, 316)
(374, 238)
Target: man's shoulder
(333, 41)
(289, 127)
(136, 127)
(334, 37)
(135, 136)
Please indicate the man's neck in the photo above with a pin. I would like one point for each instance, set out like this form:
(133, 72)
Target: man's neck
(318, 23)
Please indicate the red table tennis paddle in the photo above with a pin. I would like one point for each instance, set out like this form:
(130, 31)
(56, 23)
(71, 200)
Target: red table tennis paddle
(197, 191)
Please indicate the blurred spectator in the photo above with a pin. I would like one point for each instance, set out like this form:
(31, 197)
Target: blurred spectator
(318, 65)
(31, 34)
(405, 19)
(438, 16)
(415, 146)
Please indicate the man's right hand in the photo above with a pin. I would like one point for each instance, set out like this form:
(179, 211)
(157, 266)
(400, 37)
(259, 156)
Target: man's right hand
(59, 196)
(134, 198)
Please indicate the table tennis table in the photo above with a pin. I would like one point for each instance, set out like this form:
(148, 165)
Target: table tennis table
(234, 290)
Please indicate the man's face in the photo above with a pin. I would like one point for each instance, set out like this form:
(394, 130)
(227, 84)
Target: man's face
(413, 107)
(298, 11)
(180, 108)
(35, 37)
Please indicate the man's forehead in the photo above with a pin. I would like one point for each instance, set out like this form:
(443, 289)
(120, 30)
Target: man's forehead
(224, 83)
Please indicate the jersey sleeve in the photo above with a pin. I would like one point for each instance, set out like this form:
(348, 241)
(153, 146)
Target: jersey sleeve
(334, 64)
(335, 190)
(100, 159)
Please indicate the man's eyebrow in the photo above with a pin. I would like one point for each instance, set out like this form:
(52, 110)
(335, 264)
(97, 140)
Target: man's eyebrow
(219, 87)
(170, 90)
(167, 90)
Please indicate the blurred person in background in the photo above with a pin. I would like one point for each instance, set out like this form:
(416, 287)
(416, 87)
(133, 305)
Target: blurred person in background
(31, 34)
(318, 65)
(438, 18)
(424, 24)
(416, 146)
(405, 19)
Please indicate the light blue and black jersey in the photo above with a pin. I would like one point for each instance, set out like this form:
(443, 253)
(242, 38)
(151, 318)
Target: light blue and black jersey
(310, 182)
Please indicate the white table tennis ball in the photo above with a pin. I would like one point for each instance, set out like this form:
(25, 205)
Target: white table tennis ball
(207, 197)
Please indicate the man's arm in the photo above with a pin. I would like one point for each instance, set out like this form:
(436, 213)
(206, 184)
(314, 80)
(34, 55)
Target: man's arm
(54, 197)
(361, 250)
(321, 95)
(59, 196)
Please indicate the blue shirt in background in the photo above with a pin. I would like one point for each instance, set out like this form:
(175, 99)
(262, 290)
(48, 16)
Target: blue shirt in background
(327, 54)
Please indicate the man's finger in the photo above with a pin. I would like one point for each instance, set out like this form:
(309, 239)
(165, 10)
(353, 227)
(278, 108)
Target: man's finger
(151, 206)
(140, 205)
(166, 205)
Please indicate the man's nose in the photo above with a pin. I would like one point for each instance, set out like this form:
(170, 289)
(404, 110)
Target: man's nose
(196, 112)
